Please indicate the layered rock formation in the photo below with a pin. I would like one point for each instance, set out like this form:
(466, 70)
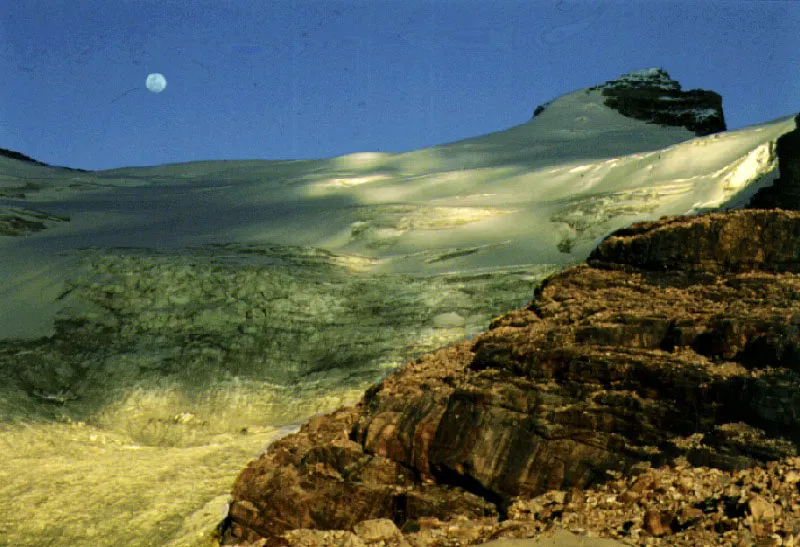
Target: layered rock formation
(649, 394)
(651, 95)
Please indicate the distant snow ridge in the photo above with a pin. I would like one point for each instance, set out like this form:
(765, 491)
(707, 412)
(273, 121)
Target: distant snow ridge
(650, 95)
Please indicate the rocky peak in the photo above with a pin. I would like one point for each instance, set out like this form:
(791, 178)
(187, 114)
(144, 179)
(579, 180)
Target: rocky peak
(651, 95)
(650, 78)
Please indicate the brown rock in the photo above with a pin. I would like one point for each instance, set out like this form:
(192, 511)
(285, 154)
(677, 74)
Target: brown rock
(661, 376)
(376, 530)
(656, 522)
(317, 538)
(760, 508)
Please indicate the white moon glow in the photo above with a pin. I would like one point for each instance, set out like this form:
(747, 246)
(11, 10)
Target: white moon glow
(156, 82)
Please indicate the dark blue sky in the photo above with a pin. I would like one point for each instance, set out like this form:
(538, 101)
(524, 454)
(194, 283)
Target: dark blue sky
(263, 79)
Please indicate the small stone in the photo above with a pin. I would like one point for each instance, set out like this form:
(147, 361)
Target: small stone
(760, 508)
(791, 477)
(376, 530)
(641, 484)
(656, 523)
(629, 496)
(559, 496)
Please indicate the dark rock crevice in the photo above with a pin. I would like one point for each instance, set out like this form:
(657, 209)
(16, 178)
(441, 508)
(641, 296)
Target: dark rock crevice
(444, 474)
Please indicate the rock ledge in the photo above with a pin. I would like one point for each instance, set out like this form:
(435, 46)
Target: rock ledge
(648, 395)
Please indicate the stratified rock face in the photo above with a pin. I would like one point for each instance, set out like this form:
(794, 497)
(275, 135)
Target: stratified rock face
(756, 241)
(652, 96)
(677, 341)
(785, 192)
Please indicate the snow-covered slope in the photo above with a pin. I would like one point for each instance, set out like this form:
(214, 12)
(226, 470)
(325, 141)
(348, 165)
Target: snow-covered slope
(541, 192)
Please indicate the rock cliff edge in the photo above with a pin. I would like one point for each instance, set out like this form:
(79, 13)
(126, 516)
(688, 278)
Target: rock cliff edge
(675, 347)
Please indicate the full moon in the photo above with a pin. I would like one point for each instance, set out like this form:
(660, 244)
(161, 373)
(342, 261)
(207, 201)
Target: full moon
(156, 82)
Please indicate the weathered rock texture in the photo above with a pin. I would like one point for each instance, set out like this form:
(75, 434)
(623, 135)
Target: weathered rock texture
(651, 95)
(785, 192)
(676, 345)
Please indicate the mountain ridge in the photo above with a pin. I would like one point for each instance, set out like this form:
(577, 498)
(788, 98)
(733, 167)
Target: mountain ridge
(650, 95)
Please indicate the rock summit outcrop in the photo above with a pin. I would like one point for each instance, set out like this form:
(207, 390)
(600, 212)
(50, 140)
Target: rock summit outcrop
(649, 394)
(651, 95)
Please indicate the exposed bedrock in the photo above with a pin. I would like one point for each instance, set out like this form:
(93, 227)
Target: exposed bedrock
(785, 191)
(757, 240)
(652, 96)
(677, 339)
